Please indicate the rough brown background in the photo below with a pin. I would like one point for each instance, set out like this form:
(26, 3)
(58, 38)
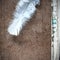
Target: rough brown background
(34, 41)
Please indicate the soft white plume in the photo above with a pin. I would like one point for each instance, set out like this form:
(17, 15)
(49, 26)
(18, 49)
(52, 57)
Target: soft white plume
(24, 10)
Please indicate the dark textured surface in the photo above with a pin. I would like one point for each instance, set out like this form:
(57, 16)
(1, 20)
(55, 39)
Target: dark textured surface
(33, 43)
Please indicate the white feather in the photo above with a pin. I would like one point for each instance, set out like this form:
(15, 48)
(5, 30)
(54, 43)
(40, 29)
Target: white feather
(24, 10)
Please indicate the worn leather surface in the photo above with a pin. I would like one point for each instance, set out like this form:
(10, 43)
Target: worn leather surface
(34, 41)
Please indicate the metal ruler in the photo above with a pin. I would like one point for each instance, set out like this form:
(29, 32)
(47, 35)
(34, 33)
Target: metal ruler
(59, 27)
(54, 35)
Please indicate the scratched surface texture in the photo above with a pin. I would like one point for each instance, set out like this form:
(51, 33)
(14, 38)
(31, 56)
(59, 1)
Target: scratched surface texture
(34, 41)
